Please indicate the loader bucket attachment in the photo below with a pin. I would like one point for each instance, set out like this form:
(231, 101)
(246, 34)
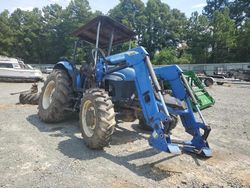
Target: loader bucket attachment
(203, 98)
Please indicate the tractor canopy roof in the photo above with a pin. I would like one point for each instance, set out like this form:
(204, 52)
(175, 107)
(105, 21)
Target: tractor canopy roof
(88, 32)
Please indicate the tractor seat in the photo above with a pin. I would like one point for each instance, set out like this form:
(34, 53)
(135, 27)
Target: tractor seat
(173, 102)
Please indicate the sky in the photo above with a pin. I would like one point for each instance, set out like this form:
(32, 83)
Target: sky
(186, 6)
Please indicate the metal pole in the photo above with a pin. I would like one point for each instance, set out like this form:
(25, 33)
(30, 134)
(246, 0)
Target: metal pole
(74, 53)
(111, 42)
(200, 114)
(157, 85)
(164, 105)
(97, 40)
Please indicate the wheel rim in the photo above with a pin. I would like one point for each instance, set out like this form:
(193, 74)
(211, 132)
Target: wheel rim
(88, 118)
(48, 94)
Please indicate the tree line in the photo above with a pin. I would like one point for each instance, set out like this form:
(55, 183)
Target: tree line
(221, 34)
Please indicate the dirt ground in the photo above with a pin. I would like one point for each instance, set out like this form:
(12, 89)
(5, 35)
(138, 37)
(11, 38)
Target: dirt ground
(35, 154)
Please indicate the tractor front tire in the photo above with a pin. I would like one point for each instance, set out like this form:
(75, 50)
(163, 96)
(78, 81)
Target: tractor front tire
(97, 118)
(56, 95)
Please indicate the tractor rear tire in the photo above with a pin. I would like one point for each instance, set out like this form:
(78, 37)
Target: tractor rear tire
(29, 98)
(97, 118)
(56, 95)
(146, 127)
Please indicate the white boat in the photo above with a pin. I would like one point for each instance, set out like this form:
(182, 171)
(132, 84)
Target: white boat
(14, 70)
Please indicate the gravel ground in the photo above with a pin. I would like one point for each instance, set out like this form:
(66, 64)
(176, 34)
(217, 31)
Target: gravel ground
(35, 154)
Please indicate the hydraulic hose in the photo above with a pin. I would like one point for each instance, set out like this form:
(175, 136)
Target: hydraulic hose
(189, 89)
(207, 128)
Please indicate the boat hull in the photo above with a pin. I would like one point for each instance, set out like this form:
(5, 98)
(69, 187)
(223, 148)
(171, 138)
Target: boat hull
(20, 75)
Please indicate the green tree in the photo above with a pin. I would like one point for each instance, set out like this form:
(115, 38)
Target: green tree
(26, 31)
(214, 5)
(43, 36)
(224, 38)
(78, 12)
(131, 14)
(177, 26)
(165, 27)
(6, 34)
(55, 33)
(156, 25)
(198, 37)
(165, 56)
(243, 43)
(239, 11)
(156, 35)
(169, 55)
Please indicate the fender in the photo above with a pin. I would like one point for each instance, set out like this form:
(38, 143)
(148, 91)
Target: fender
(67, 66)
(72, 72)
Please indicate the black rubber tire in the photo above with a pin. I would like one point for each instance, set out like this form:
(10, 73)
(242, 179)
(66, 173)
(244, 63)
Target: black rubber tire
(143, 124)
(104, 118)
(146, 127)
(62, 98)
(29, 98)
(220, 83)
(208, 82)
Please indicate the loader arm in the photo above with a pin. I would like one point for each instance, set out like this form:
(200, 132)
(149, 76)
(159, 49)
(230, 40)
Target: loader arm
(155, 110)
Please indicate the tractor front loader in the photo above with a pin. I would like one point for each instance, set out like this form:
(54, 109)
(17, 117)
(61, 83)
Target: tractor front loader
(124, 85)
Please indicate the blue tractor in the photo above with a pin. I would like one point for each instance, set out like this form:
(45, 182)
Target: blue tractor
(125, 85)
